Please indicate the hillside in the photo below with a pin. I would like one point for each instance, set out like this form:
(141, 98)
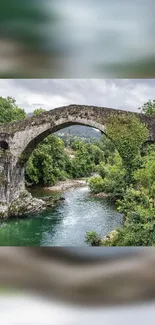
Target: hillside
(80, 131)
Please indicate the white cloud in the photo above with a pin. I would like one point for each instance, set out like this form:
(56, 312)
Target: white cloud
(128, 94)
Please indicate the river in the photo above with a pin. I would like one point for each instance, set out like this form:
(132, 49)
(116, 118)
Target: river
(63, 225)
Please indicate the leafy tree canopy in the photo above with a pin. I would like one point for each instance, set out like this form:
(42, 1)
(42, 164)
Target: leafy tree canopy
(148, 108)
(9, 111)
(38, 111)
(128, 134)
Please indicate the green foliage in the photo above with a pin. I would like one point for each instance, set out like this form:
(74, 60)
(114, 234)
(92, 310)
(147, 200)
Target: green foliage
(87, 157)
(38, 111)
(77, 144)
(48, 163)
(145, 176)
(139, 226)
(92, 238)
(139, 230)
(138, 207)
(111, 179)
(96, 184)
(127, 176)
(148, 108)
(131, 181)
(9, 111)
(131, 200)
(102, 169)
(108, 148)
(128, 134)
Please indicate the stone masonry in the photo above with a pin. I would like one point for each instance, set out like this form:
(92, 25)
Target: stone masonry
(19, 139)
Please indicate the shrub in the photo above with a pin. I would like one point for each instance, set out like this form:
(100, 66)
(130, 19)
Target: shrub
(92, 238)
(96, 184)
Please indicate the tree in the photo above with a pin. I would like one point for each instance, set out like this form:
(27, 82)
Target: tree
(128, 134)
(111, 179)
(135, 195)
(9, 111)
(48, 163)
(77, 144)
(145, 176)
(96, 184)
(148, 108)
(38, 111)
(108, 147)
(87, 157)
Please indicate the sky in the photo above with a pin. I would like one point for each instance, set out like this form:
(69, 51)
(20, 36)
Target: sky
(125, 94)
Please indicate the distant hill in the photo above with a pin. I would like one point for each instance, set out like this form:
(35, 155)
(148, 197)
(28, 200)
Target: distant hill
(80, 131)
(29, 114)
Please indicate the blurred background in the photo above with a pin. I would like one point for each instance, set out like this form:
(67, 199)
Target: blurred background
(72, 39)
(24, 308)
(27, 310)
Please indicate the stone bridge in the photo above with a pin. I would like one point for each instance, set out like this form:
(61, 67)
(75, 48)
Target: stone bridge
(18, 140)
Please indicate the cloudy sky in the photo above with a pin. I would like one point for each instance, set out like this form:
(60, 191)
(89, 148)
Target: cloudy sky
(125, 94)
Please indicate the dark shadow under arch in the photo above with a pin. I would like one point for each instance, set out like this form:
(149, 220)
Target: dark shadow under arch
(4, 145)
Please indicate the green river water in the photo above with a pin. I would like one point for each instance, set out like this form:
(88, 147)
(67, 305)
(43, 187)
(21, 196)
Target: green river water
(63, 225)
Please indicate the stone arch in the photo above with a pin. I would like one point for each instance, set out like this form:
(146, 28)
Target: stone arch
(21, 138)
(40, 136)
(35, 136)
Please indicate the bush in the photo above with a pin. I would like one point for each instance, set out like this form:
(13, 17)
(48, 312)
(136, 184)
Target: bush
(111, 179)
(48, 163)
(96, 184)
(92, 238)
(139, 226)
(131, 200)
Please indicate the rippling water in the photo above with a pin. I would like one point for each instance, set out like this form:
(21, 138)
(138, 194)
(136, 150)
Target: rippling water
(65, 224)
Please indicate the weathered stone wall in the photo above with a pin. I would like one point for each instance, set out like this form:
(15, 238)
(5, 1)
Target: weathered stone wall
(21, 137)
(11, 181)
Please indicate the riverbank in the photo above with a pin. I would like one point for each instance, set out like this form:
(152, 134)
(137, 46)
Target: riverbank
(66, 185)
(26, 204)
(108, 239)
(101, 195)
